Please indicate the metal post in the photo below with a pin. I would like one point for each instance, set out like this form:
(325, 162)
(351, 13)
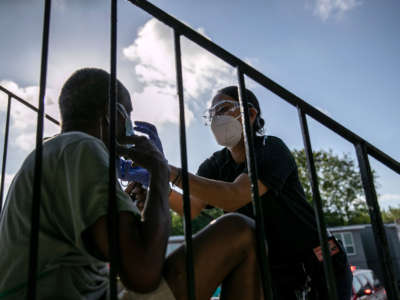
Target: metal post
(185, 177)
(112, 229)
(317, 203)
(3, 167)
(37, 181)
(377, 224)
(257, 208)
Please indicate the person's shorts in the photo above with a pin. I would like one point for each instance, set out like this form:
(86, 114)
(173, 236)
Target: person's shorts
(163, 292)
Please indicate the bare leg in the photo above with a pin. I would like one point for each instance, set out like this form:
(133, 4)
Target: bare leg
(224, 252)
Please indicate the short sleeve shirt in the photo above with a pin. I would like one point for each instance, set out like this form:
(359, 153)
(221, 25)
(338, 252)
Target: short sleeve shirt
(289, 220)
(74, 195)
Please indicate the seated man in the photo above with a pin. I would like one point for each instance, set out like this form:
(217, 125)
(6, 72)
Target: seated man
(73, 244)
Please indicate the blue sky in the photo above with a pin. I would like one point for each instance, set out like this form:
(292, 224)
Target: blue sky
(339, 55)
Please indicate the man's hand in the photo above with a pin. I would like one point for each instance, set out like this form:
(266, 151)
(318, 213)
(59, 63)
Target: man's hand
(137, 193)
(144, 153)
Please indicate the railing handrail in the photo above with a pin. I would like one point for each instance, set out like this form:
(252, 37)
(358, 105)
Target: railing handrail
(26, 103)
(377, 153)
(271, 85)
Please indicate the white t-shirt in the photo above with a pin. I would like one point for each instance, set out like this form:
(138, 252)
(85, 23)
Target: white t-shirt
(74, 196)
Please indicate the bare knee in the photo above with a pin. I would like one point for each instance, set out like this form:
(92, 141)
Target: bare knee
(240, 226)
(237, 220)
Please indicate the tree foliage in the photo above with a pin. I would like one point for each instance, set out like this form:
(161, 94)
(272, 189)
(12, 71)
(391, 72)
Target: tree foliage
(339, 184)
(197, 224)
(391, 215)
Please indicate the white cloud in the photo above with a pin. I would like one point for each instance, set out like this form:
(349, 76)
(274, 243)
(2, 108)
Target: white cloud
(21, 116)
(7, 182)
(156, 107)
(26, 141)
(23, 120)
(328, 8)
(152, 53)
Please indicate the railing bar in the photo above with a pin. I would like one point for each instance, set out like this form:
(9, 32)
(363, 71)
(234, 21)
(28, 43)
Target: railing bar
(260, 78)
(381, 241)
(37, 181)
(317, 203)
(185, 177)
(5, 148)
(257, 208)
(382, 157)
(112, 228)
(19, 99)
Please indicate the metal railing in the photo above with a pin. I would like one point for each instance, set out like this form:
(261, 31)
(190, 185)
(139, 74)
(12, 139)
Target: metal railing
(363, 150)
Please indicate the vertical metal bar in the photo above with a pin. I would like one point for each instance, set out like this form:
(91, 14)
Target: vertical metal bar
(257, 208)
(37, 181)
(113, 232)
(3, 167)
(317, 203)
(185, 179)
(377, 224)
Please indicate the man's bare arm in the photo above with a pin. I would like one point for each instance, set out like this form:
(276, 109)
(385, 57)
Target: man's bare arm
(142, 243)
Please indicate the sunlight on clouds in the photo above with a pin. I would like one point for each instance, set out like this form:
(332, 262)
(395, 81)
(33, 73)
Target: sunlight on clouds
(23, 117)
(327, 8)
(26, 141)
(155, 103)
(7, 182)
(152, 53)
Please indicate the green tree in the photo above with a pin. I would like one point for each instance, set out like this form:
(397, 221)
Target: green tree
(197, 224)
(339, 184)
(391, 215)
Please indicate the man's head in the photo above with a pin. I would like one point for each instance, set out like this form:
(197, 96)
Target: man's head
(84, 102)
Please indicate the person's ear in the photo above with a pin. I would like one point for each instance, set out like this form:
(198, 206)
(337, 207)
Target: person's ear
(252, 114)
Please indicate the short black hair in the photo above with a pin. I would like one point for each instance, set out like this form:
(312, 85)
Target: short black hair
(233, 91)
(84, 95)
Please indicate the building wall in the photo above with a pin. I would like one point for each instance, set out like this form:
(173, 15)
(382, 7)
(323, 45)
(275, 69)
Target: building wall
(372, 254)
(358, 259)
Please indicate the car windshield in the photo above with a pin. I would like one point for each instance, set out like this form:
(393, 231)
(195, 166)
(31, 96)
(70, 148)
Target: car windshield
(356, 285)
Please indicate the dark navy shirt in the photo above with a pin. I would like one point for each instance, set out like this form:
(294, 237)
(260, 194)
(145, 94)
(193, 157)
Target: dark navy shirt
(290, 227)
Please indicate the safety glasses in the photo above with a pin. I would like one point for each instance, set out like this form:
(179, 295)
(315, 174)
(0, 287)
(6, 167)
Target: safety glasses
(223, 107)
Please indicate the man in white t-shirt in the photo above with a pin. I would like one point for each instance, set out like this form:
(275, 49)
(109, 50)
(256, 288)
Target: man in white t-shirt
(73, 243)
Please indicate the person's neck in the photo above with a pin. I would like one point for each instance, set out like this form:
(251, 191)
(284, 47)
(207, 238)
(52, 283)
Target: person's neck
(91, 130)
(238, 152)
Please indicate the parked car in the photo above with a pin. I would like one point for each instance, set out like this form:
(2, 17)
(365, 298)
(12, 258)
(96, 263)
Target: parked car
(366, 286)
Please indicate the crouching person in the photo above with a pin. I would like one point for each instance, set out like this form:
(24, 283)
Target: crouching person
(73, 243)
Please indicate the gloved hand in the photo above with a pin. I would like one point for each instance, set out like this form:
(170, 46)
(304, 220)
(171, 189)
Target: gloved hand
(129, 172)
(151, 131)
(126, 170)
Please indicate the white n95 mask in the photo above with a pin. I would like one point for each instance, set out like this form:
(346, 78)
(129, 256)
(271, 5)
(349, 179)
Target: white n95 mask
(227, 130)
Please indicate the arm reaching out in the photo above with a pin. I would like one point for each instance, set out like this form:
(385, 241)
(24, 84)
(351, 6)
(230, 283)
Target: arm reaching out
(228, 196)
